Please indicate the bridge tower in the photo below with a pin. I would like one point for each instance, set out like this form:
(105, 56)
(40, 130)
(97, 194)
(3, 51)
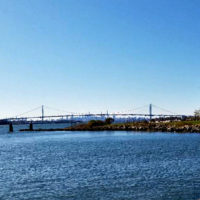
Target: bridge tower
(42, 113)
(150, 111)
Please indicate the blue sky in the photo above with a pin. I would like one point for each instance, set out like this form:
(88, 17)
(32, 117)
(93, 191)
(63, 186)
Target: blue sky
(98, 55)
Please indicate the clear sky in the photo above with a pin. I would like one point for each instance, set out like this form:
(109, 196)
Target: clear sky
(98, 55)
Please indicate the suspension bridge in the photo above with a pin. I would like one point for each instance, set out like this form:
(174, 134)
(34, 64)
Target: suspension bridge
(143, 112)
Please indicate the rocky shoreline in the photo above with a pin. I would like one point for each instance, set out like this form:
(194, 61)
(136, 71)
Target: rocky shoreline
(178, 127)
(150, 127)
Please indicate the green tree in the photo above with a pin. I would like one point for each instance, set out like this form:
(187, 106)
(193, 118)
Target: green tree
(109, 120)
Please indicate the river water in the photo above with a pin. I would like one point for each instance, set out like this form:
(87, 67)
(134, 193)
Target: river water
(99, 166)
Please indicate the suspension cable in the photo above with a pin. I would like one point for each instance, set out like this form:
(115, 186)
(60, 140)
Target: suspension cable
(163, 109)
(59, 110)
(28, 111)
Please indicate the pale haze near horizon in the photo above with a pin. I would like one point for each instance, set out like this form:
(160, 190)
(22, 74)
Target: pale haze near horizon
(84, 55)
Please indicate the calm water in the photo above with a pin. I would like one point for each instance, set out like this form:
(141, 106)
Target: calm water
(99, 165)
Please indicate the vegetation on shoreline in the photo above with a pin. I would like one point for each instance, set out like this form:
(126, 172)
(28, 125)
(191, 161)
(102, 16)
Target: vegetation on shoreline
(191, 125)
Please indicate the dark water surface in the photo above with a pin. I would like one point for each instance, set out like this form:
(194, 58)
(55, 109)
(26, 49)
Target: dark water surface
(99, 165)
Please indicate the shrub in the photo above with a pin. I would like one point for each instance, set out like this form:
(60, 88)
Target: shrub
(93, 123)
(197, 113)
(109, 120)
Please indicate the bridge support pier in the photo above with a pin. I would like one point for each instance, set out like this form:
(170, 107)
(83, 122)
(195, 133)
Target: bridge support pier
(10, 128)
(31, 126)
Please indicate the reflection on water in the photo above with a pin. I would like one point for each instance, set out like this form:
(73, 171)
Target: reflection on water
(99, 165)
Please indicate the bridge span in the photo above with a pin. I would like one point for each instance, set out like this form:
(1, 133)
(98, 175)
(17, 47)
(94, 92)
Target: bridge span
(71, 117)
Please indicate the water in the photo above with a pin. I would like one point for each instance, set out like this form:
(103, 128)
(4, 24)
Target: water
(99, 166)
